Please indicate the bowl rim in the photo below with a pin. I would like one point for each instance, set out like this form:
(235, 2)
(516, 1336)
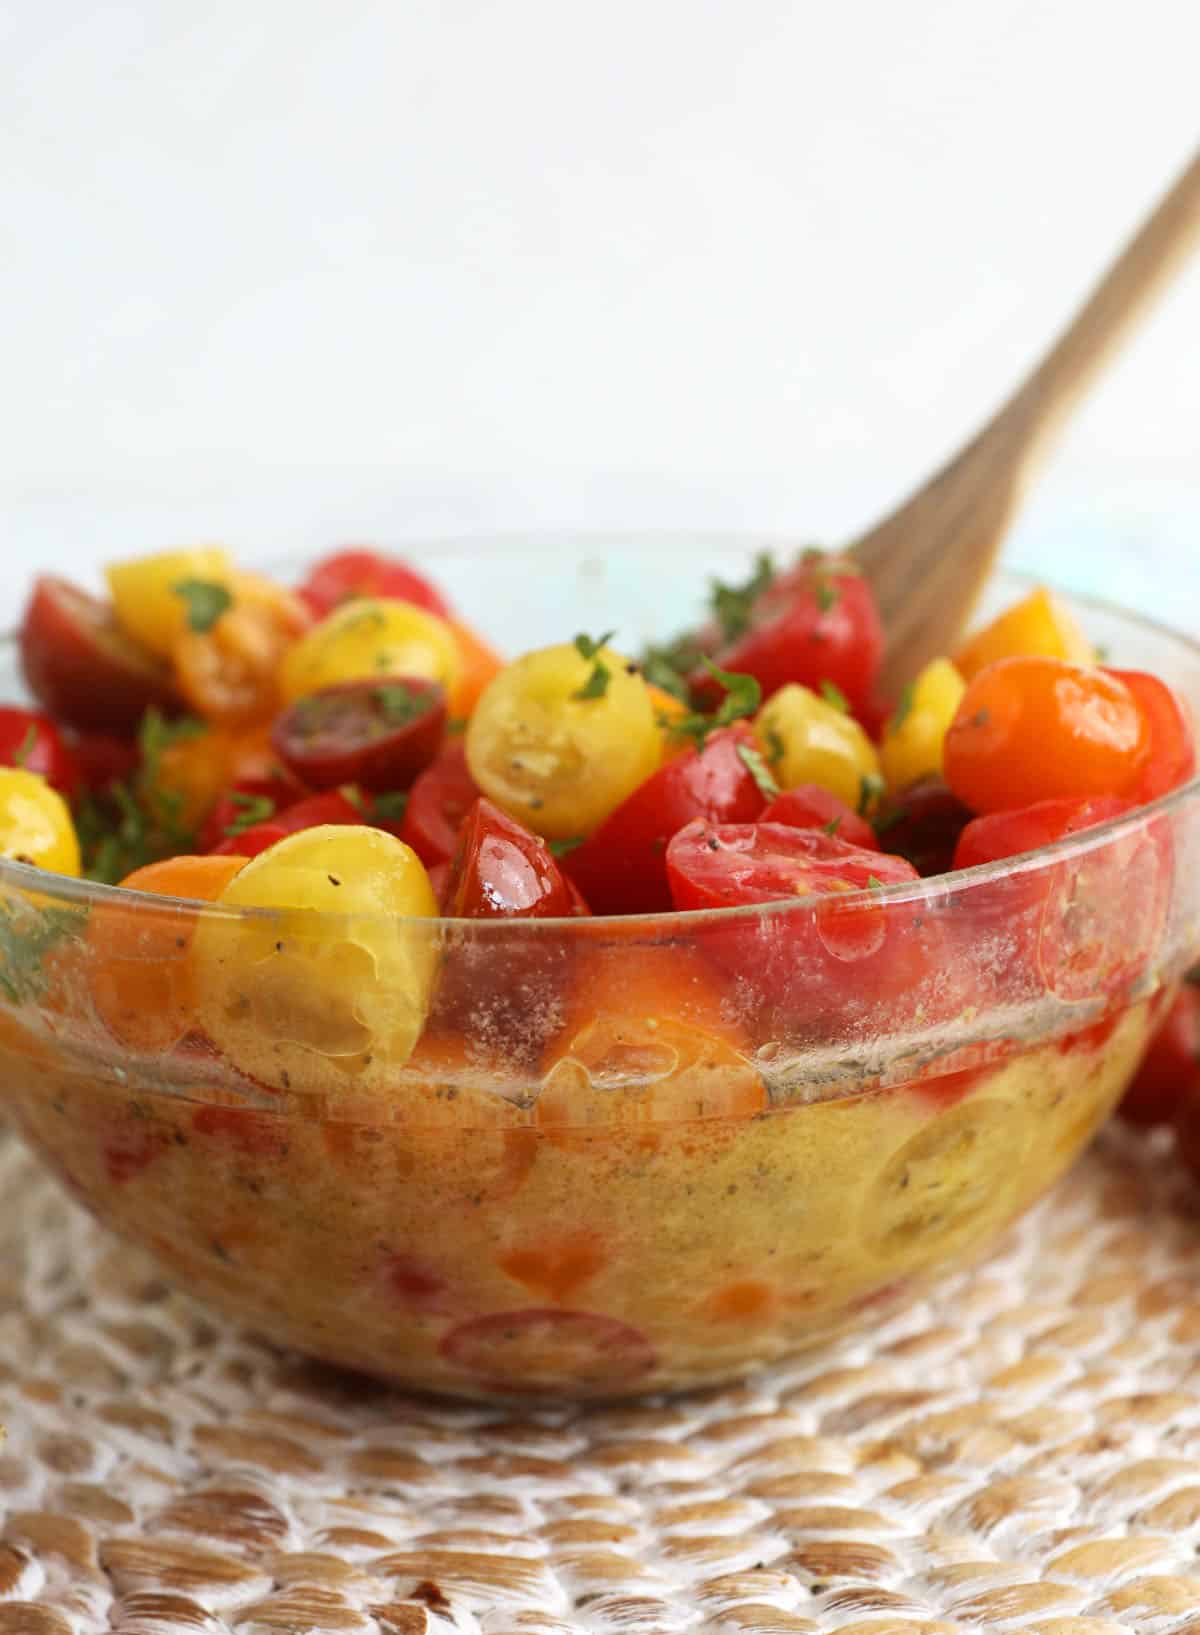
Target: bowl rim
(77, 892)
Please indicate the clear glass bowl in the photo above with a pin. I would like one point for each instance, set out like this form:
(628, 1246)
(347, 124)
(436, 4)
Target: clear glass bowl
(625, 1155)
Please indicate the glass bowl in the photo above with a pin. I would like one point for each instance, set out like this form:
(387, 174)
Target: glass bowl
(625, 1155)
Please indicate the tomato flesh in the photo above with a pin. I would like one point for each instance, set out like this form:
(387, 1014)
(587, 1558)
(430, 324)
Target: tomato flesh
(440, 799)
(82, 668)
(33, 741)
(331, 807)
(358, 572)
(621, 868)
(377, 734)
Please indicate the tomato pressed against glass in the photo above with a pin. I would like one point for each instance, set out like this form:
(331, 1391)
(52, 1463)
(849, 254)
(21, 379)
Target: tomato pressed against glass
(621, 868)
(808, 806)
(501, 871)
(1171, 759)
(377, 734)
(350, 573)
(440, 799)
(310, 813)
(1170, 1072)
(815, 623)
(1007, 834)
(923, 823)
(82, 668)
(1031, 729)
(33, 741)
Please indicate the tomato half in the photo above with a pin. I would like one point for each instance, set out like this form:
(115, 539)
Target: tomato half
(501, 871)
(377, 734)
(808, 806)
(1032, 729)
(923, 823)
(1170, 1072)
(816, 623)
(1171, 759)
(82, 668)
(359, 572)
(440, 799)
(311, 813)
(33, 741)
(621, 868)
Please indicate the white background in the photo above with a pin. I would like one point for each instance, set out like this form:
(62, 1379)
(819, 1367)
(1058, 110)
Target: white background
(309, 270)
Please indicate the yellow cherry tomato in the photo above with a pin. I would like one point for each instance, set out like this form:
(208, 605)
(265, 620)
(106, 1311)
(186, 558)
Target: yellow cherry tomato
(913, 738)
(35, 823)
(810, 739)
(559, 740)
(372, 636)
(1039, 626)
(330, 992)
(147, 598)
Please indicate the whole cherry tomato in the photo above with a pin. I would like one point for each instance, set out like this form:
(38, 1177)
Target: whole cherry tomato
(360, 572)
(621, 868)
(331, 807)
(1171, 760)
(808, 806)
(502, 871)
(923, 823)
(816, 623)
(33, 741)
(1032, 729)
(377, 734)
(82, 668)
(246, 803)
(440, 799)
(1169, 1076)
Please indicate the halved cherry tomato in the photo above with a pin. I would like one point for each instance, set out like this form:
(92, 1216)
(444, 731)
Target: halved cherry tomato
(1169, 1075)
(808, 806)
(440, 799)
(361, 572)
(818, 622)
(730, 865)
(621, 868)
(80, 665)
(1008, 834)
(33, 741)
(331, 807)
(1171, 760)
(501, 871)
(249, 802)
(1032, 729)
(102, 759)
(923, 823)
(377, 734)
(229, 673)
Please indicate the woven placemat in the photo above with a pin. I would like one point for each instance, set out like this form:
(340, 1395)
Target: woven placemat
(1021, 1451)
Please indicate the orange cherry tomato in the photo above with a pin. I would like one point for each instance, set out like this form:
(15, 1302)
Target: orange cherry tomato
(480, 663)
(1032, 729)
(140, 964)
(228, 673)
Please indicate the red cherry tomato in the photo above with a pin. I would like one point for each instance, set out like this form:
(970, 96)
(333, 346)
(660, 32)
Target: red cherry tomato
(1171, 760)
(357, 572)
(33, 741)
(332, 807)
(82, 668)
(249, 802)
(1008, 834)
(103, 759)
(732, 864)
(923, 823)
(1032, 729)
(440, 799)
(808, 806)
(377, 734)
(501, 871)
(621, 868)
(812, 624)
(1169, 1075)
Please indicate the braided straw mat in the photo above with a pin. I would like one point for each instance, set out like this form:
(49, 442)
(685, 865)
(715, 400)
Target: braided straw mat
(1019, 1452)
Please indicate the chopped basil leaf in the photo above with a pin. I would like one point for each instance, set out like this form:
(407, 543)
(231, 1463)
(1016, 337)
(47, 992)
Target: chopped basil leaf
(743, 695)
(205, 601)
(560, 848)
(776, 748)
(587, 648)
(252, 809)
(23, 750)
(903, 708)
(400, 704)
(757, 768)
(832, 827)
(875, 883)
(733, 605)
(597, 682)
(835, 696)
(669, 667)
(870, 787)
(826, 594)
(390, 807)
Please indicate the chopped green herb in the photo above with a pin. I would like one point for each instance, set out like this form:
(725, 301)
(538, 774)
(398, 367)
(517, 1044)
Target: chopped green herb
(903, 708)
(597, 682)
(252, 809)
(138, 822)
(743, 695)
(870, 787)
(456, 726)
(875, 883)
(669, 667)
(890, 820)
(835, 696)
(757, 768)
(588, 649)
(776, 748)
(205, 601)
(733, 605)
(24, 748)
(832, 827)
(391, 806)
(826, 594)
(400, 704)
(560, 848)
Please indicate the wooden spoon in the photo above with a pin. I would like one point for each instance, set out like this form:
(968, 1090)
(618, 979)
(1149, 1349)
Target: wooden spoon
(927, 561)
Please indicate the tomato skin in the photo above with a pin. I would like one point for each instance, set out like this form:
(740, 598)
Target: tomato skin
(361, 572)
(33, 741)
(1169, 1076)
(440, 799)
(621, 868)
(1171, 760)
(345, 734)
(808, 806)
(310, 813)
(501, 871)
(1008, 834)
(102, 759)
(283, 791)
(1032, 729)
(923, 823)
(82, 668)
(812, 624)
(730, 865)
